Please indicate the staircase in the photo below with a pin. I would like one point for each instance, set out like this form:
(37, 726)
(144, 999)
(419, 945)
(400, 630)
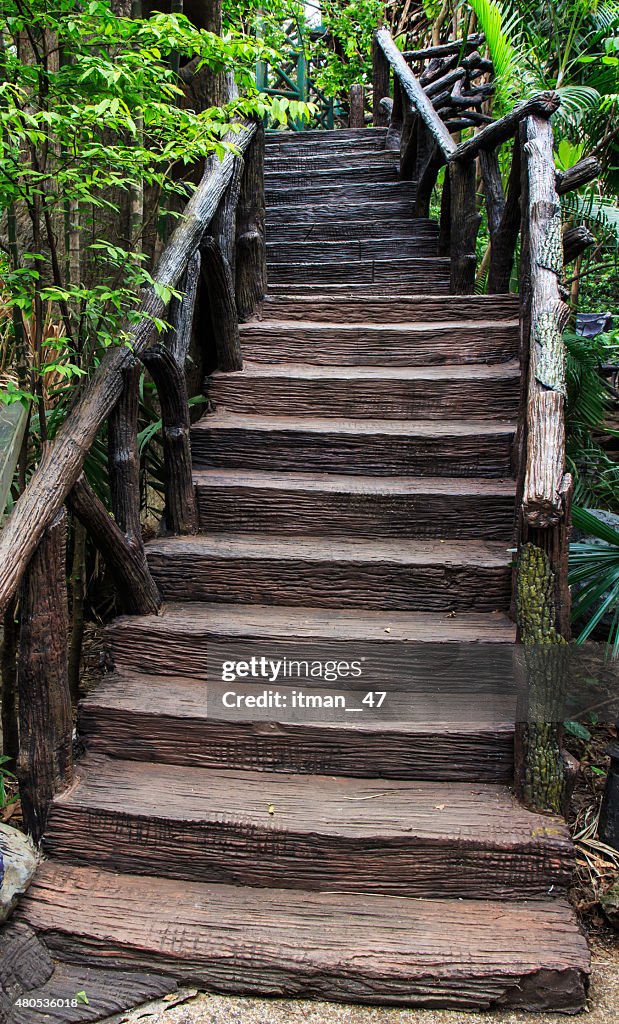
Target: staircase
(354, 487)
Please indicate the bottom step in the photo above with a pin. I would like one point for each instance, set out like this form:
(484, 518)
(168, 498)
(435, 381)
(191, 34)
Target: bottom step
(357, 948)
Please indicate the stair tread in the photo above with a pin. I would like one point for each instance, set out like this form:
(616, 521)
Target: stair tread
(341, 483)
(414, 326)
(426, 709)
(329, 945)
(279, 622)
(354, 427)
(508, 370)
(401, 550)
(466, 813)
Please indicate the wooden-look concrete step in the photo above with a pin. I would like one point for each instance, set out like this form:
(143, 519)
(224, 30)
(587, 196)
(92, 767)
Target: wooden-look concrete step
(343, 342)
(413, 273)
(471, 448)
(176, 641)
(344, 195)
(369, 949)
(327, 177)
(444, 392)
(334, 572)
(351, 305)
(325, 504)
(403, 227)
(464, 736)
(349, 250)
(325, 212)
(278, 160)
(311, 832)
(349, 138)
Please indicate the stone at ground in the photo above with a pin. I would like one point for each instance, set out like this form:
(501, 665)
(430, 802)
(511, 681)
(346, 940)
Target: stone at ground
(19, 859)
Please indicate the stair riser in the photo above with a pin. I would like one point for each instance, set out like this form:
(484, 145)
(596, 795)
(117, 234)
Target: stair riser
(394, 191)
(344, 584)
(325, 212)
(236, 853)
(362, 249)
(336, 159)
(373, 455)
(330, 346)
(414, 274)
(485, 756)
(345, 137)
(323, 513)
(350, 309)
(403, 227)
(448, 399)
(312, 178)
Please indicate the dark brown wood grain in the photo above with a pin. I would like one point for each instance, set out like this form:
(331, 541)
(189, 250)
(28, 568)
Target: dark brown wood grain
(527, 955)
(124, 558)
(356, 307)
(317, 504)
(372, 344)
(250, 269)
(45, 762)
(217, 276)
(180, 507)
(374, 447)
(330, 833)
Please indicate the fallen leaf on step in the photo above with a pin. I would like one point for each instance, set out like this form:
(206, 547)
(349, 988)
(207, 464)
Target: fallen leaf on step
(439, 807)
(271, 808)
(388, 629)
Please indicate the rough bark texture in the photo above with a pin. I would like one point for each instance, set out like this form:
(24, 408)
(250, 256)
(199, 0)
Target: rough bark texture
(180, 505)
(540, 776)
(224, 320)
(123, 456)
(356, 117)
(8, 678)
(414, 92)
(545, 453)
(394, 132)
(124, 558)
(503, 244)
(465, 221)
(575, 241)
(584, 171)
(251, 273)
(45, 764)
(540, 106)
(182, 316)
(380, 85)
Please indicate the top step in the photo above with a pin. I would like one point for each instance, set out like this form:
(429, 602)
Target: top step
(367, 138)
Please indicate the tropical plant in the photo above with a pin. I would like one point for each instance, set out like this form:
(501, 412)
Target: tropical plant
(594, 575)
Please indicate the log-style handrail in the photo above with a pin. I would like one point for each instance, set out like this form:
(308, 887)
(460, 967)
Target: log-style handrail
(548, 316)
(62, 460)
(32, 545)
(543, 105)
(413, 90)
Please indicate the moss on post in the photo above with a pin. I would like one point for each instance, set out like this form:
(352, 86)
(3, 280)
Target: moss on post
(540, 778)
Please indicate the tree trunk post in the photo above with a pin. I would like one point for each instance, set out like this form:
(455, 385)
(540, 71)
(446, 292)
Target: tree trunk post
(224, 320)
(251, 267)
(123, 456)
(45, 763)
(356, 118)
(464, 226)
(396, 121)
(180, 515)
(380, 85)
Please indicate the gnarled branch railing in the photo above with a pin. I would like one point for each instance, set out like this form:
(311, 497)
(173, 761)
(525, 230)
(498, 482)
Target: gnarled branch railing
(423, 115)
(32, 544)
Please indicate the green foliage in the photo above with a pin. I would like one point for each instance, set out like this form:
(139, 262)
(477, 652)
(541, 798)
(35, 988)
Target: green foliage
(6, 776)
(594, 574)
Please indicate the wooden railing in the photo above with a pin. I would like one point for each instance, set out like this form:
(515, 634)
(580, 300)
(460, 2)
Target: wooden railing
(220, 238)
(422, 116)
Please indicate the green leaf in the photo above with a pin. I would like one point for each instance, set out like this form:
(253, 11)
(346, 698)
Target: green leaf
(577, 729)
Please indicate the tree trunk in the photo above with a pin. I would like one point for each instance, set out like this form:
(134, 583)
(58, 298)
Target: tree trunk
(45, 765)
(251, 270)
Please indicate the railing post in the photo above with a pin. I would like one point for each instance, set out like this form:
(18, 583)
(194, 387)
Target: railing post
(356, 117)
(396, 121)
(380, 85)
(544, 489)
(465, 221)
(251, 270)
(180, 515)
(45, 763)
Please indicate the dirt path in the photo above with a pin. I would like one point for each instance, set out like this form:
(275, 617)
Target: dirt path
(208, 1009)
